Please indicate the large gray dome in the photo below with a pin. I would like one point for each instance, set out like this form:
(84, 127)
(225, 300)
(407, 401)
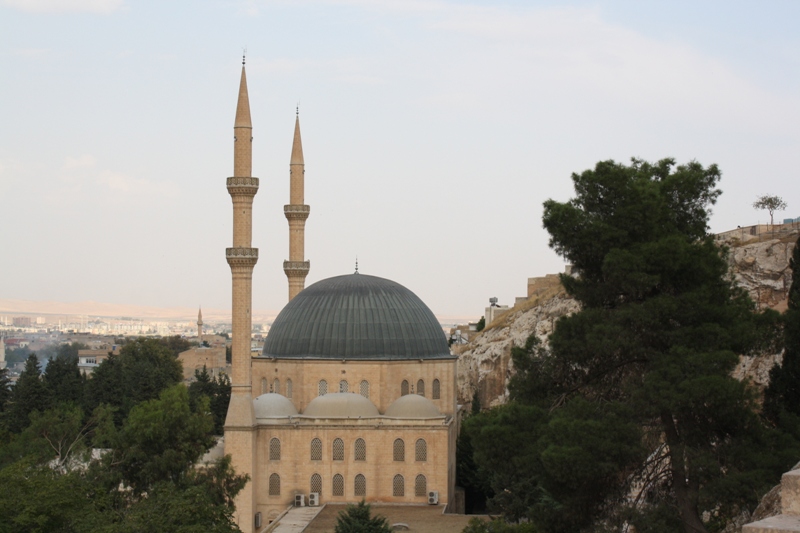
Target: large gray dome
(356, 317)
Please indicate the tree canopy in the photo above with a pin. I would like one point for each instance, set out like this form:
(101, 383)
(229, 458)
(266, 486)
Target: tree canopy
(771, 204)
(359, 519)
(633, 397)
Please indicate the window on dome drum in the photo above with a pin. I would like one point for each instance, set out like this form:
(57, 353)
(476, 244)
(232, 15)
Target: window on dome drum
(274, 485)
(398, 486)
(276, 386)
(338, 450)
(404, 388)
(421, 450)
(316, 483)
(288, 388)
(322, 388)
(399, 450)
(421, 387)
(338, 485)
(274, 449)
(343, 386)
(420, 486)
(360, 486)
(316, 450)
(364, 389)
(435, 393)
(360, 450)
(264, 386)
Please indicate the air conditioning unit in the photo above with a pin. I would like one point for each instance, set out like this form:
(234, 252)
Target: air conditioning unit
(257, 521)
(313, 499)
(433, 497)
(299, 500)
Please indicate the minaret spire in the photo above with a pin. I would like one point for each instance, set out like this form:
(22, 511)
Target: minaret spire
(296, 268)
(242, 257)
(200, 325)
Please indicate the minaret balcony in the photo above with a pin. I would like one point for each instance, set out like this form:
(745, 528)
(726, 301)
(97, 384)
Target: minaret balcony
(241, 256)
(296, 267)
(296, 211)
(243, 185)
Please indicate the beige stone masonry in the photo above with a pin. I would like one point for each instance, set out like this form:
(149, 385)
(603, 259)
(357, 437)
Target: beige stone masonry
(789, 520)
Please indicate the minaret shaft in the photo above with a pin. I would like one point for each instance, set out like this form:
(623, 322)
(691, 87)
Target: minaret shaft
(296, 268)
(242, 257)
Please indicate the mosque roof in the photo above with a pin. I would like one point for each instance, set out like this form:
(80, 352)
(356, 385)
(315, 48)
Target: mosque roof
(412, 406)
(273, 405)
(356, 316)
(341, 405)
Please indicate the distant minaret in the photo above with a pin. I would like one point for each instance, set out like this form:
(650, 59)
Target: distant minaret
(200, 326)
(2, 353)
(296, 212)
(240, 420)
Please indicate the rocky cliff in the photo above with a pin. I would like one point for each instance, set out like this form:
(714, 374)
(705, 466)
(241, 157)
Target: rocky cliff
(759, 264)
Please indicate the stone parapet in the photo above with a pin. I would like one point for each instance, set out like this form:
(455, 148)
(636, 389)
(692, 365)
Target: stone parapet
(242, 185)
(296, 211)
(789, 519)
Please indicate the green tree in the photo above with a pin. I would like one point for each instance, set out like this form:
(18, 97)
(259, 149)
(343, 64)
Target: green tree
(771, 204)
(28, 395)
(782, 397)
(161, 439)
(481, 324)
(216, 390)
(176, 344)
(63, 380)
(477, 525)
(359, 519)
(660, 329)
(143, 369)
(5, 389)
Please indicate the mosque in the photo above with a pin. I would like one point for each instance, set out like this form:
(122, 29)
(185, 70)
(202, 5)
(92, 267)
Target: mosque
(354, 395)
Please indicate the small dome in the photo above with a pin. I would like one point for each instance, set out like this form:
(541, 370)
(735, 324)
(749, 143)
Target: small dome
(341, 405)
(273, 405)
(412, 406)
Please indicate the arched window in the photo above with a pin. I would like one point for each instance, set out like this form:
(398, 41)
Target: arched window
(274, 449)
(338, 485)
(364, 388)
(435, 393)
(360, 450)
(264, 386)
(274, 485)
(398, 486)
(276, 386)
(344, 386)
(316, 483)
(399, 450)
(316, 450)
(421, 387)
(421, 450)
(404, 388)
(322, 388)
(338, 450)
(420, 486)
(288, 388)
(360, 486)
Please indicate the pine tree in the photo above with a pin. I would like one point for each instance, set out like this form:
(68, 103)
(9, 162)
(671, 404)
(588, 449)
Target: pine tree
(358, 519)
(661, 327)
(28, 395)
(63, 380)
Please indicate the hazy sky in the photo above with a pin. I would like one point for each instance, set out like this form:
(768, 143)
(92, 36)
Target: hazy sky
(432, 130)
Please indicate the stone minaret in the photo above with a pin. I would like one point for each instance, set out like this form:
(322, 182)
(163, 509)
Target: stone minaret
(240, 420)
(200, 326)
(296, 212)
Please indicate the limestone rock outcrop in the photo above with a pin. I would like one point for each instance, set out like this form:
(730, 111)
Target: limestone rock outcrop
(759, 265)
